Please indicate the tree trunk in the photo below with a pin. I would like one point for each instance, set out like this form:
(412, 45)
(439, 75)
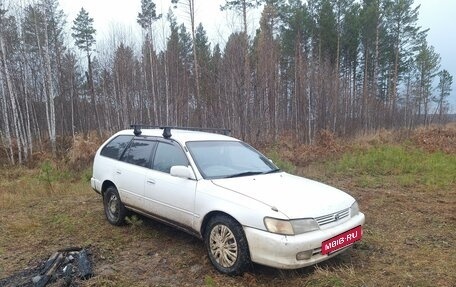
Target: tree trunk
(9, 85)
(201, 120)
(152, 79)
(166, 90)
(92, 94)
(7, 132)
(243, 123)
(51, 95)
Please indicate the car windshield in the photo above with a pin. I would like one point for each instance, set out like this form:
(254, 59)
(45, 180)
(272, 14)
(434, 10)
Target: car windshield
(226, 159)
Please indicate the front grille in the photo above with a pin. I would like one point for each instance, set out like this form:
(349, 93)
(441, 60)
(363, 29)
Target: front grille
(333, 217)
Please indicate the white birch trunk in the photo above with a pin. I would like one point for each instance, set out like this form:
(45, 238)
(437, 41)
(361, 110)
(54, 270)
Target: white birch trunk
(51, 95)
(9, 85)
(167, 91)
(7, 132)
(152, 79)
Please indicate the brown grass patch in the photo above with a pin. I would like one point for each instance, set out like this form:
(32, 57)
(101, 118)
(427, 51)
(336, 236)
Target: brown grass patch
(83, 150)
(328, 146)
(436, 138)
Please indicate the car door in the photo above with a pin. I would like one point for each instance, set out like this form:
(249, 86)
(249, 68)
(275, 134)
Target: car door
(132, 169)
(167, 196)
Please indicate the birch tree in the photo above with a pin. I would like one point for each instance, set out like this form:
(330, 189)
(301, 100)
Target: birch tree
(4, 71)
(242, 7)
(146, 19)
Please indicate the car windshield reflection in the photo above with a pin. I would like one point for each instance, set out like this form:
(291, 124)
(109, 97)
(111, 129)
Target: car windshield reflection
(228, 159)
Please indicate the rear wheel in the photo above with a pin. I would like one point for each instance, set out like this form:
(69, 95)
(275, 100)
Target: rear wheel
(226, 245)
(115, 210)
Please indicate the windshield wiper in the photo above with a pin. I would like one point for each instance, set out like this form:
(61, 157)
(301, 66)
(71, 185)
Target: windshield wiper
(246, 173)
(272, 171)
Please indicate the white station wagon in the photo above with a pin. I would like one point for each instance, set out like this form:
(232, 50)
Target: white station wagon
(225, 192)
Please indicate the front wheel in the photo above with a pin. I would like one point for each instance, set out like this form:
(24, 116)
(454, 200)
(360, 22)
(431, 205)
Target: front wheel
(226, 245)
(115, 210)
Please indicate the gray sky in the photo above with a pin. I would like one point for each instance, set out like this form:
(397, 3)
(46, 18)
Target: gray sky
(438, 15)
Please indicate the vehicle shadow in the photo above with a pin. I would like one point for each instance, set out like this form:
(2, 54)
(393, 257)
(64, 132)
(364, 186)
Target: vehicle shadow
(181, 240)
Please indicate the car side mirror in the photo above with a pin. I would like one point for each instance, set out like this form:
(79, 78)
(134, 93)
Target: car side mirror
(182, 172)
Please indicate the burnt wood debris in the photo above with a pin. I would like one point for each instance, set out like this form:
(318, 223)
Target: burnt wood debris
(66, 265)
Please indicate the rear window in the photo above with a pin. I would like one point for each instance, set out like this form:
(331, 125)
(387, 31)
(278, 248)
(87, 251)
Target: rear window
(116, 146)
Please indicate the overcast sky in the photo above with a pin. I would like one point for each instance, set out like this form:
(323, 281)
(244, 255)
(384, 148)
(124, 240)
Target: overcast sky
(438, 15)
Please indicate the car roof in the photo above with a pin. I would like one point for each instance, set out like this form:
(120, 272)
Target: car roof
(181, 136)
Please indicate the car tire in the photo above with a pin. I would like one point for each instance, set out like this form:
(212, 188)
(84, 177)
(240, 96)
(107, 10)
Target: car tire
(226, 245)
(115, 210)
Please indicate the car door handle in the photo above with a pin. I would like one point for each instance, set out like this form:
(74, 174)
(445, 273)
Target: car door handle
(151, 181)
(118, 171)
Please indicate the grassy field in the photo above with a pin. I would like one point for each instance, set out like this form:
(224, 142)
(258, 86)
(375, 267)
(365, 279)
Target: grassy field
(407, 192)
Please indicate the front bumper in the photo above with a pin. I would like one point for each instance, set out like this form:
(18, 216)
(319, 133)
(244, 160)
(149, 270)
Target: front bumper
(280, 251)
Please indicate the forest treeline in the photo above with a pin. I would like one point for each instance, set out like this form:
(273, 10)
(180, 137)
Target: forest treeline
(337, 65)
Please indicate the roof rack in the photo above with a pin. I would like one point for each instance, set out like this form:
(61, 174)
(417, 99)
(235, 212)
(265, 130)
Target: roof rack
(167, 129)
(137, 128)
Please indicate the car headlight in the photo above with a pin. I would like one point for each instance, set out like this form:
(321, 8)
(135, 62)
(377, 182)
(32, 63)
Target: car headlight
(304, 225)
(354, 209)
(290, 227)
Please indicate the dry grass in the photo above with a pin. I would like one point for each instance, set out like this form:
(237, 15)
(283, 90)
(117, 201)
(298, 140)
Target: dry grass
(409, 237)
(82, 151)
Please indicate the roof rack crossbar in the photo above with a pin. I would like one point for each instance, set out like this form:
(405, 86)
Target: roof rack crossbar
(141, 126)
(167, 129)
(212, 130)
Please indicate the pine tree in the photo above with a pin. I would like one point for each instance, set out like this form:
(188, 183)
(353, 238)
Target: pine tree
(148, 15)
(444, 90)
(203, 51)
(242, 7)
(369, 29)
(327, 31)
(296, 26)
(401, 21)
(84, 32)
(427, 64)
(350, 47)
(84, 39)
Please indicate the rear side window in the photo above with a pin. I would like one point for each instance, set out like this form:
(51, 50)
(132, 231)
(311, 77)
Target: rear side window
(116, 146)
(139, 153)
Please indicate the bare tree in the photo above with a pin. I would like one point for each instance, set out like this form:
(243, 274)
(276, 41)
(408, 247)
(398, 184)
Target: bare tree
(145, 19)
(190, 7)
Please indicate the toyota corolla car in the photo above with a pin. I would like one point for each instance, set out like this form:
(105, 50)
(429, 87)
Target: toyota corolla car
(225, 192)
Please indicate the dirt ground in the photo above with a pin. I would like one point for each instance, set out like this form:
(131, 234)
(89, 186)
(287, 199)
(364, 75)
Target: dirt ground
(409, 239)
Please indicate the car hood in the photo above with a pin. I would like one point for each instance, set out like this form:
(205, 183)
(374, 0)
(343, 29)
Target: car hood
(295, 197)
